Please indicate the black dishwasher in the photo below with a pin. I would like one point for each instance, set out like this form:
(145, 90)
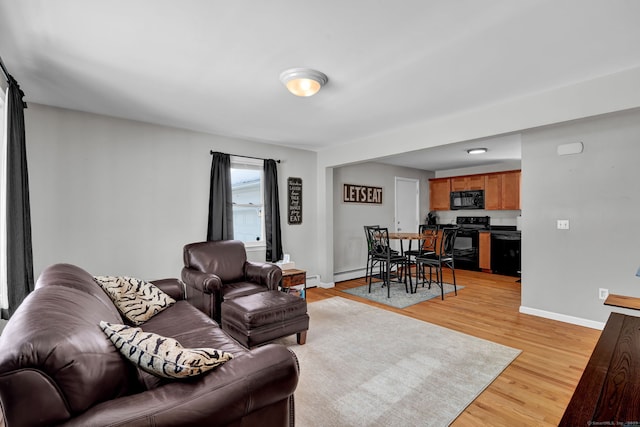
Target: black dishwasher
(505, 253)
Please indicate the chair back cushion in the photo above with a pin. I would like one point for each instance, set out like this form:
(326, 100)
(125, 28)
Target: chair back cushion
(224, 258)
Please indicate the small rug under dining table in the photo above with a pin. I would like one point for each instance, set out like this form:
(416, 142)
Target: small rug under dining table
(399, 297)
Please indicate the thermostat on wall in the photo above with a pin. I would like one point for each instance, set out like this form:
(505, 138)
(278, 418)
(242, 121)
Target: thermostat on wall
(572, 148)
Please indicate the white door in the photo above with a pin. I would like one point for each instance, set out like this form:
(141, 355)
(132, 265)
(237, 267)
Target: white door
(407, 205)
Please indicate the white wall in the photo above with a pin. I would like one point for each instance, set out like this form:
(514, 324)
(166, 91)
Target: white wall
(122, 197)
(350, 249)
(597, 191)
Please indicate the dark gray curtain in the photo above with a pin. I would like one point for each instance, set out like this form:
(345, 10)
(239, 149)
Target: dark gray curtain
(220, 225)
(19, 252)
(272, 212)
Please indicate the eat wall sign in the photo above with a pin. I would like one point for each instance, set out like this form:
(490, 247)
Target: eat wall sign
(294, 198)
(361, 194)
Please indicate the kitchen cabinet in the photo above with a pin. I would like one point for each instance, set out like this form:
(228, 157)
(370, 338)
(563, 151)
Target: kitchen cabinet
(439, 189)
(502, 190)
(493, 191)
(511, 190)
(467, 182)
(484, 244)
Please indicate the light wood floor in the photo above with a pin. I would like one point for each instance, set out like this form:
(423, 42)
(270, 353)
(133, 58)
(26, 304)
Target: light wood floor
(536, 388)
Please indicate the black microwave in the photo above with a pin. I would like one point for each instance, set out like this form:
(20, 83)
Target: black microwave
(472, 199)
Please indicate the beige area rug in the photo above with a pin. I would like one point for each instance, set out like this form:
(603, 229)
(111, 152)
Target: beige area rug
(365, 366)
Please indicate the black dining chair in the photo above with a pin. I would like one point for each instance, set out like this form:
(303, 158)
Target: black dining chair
(370, 242)
(387, 258)
(426, 245)
(443, 257)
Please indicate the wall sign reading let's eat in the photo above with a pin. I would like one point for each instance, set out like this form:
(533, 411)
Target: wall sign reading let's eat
(361, 194)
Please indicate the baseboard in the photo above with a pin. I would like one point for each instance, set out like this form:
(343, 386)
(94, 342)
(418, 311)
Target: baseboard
(349, 275)
(326, 285)
(314, 281)
(562, 318)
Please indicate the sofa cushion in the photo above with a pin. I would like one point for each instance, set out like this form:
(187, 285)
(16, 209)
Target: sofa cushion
(194, 330)
(241, 289)
(136, 299)
(160, 355)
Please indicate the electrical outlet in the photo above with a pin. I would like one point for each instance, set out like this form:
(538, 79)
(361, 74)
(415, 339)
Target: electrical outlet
(603, 293)
(563, 224)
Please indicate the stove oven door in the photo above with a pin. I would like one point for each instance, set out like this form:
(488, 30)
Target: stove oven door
(466, 250)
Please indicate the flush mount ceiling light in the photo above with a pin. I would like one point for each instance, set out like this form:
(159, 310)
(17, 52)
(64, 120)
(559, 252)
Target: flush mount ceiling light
(476, 150)
(303, 81)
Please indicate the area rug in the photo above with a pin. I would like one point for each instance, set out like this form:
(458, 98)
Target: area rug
(366, 366)
(399, 296)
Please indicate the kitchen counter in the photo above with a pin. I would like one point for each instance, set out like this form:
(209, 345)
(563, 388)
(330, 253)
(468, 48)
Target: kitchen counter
(505, 230)
(506, 235)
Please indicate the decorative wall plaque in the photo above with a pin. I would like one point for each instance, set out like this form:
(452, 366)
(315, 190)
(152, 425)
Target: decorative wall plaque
(294, 201)
(361, 194)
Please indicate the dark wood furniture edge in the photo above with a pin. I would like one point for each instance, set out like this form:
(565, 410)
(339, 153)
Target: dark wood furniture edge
(619, 397)
(586, 396)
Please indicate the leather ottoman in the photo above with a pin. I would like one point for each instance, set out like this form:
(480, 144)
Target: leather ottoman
(259, 318)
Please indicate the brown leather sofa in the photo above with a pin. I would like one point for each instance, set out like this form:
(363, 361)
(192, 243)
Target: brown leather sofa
(218, 270)
(58, 368)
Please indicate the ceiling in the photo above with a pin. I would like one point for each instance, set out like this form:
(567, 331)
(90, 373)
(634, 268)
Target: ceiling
(213, 66)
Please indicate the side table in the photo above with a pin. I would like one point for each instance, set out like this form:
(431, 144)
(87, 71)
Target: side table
(291, 281)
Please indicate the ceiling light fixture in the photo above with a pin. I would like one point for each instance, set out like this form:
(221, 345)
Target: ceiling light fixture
(303, 81)
(476, 150)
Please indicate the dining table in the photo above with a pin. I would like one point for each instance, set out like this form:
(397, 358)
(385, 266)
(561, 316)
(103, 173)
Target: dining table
(405, 236)
(410, 237)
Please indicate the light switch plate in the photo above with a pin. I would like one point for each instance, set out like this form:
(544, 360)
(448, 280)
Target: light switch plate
(563, 224)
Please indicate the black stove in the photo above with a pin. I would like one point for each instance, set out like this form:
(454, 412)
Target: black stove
(466, 249)
(473, 222)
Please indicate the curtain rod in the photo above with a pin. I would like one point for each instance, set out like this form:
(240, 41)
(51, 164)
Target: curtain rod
(246, 157)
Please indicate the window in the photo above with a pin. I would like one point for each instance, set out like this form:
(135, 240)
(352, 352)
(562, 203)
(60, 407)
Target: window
(247, 194)
(4, 298)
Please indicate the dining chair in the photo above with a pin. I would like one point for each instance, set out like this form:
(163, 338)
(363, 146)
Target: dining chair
(368, 231)
(426, 245)
(443, 257)
(387, 258)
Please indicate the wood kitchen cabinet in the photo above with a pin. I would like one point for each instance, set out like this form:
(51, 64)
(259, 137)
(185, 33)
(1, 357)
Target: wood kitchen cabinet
(493, 191)
(502, 190)
(468, 182)
(484, 244)
(439, 189)
(511, 190)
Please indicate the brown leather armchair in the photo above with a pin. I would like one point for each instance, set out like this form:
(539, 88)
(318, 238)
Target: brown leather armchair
(219, 270)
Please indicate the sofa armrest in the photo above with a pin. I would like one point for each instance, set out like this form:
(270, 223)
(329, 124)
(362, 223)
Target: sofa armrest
(266, 274)
(255, 380)
(204, 282)
(172, 287)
